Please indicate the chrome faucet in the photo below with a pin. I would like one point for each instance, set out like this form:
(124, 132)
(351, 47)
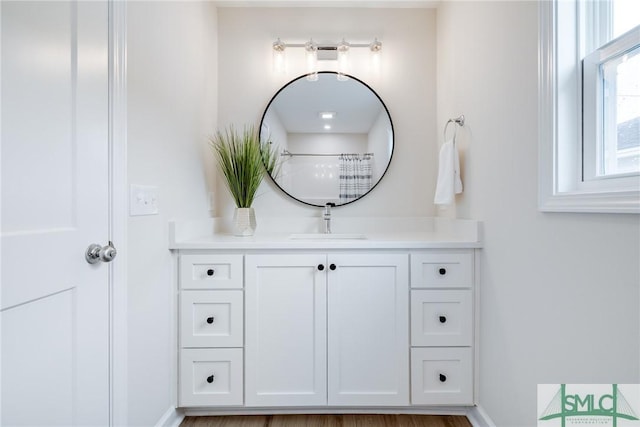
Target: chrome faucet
(327, 217)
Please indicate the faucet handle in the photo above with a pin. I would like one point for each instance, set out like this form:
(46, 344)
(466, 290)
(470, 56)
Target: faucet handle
(327, 208)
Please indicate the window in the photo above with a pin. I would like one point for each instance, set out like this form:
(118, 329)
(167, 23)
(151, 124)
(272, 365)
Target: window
(590, 106)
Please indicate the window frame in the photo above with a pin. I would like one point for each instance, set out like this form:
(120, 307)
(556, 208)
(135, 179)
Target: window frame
(561, 185)
(593, 115)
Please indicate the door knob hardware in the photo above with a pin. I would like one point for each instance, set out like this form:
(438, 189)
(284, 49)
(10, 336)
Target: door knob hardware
(96, 253)
(442, 319)
(443, 378)
(210, 320)
(210, 272)
(210, 379)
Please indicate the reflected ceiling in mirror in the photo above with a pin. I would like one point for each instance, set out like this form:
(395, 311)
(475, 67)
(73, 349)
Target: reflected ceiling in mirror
(334, 137)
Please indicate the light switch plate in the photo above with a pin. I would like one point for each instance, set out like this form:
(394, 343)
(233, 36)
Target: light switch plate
(143, 200)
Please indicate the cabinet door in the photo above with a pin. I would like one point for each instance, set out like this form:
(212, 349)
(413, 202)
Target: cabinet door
(368, 324)
(285, 330)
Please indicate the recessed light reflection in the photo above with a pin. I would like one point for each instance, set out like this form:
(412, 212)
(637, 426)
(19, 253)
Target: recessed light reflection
(327, 115)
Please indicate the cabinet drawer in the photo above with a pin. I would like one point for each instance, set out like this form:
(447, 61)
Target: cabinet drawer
(211, 319)
(454, 270)
(210, 271)
(441, 376)
(441, 318)
(211, 377)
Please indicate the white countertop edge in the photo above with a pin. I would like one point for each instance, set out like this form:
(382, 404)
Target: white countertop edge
(413, 233)
(325, 245)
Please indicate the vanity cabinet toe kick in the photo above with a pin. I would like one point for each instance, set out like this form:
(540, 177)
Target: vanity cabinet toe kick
(335, 329)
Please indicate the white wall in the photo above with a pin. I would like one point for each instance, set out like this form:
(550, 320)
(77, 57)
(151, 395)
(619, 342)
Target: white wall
(171, 111)
(406, 85)
(560, 292)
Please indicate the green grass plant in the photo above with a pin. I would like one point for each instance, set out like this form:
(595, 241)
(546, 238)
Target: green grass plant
(243, 162)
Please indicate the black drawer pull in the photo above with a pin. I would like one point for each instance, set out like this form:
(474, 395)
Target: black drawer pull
(210, 379)
(443, 378)
(210, 320)
(442, 271)
(332, 267)
(443, 319)
(210, 272)
(320, 267)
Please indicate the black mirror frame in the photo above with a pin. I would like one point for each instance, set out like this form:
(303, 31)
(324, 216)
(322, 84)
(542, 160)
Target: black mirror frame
(393, 136)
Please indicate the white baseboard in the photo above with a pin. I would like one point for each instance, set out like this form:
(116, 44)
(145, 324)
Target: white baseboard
(434, 410)
(172, 418)
(479, 418)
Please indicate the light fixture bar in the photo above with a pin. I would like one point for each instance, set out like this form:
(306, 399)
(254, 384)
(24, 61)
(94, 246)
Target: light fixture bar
(376, 45)
(325, 52)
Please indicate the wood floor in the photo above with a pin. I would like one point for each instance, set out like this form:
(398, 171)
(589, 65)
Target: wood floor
(328, 421)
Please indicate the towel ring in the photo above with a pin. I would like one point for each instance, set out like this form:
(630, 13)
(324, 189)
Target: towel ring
(458, 121)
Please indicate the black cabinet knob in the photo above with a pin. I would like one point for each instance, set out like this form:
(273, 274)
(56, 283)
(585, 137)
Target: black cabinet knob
(443, 319)
(442, 271)
(320, 267)
(210, 320)
(210, 379)
(210, 272)
(332, 267)
(443, 378)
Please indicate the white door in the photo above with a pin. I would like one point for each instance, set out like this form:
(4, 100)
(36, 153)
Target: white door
(368, 329)
(285, 348)
(54, 305)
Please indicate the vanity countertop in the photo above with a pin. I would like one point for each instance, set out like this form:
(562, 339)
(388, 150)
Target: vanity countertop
(380, 233)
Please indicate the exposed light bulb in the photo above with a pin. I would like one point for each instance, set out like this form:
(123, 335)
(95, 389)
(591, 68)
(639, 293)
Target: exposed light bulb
(343, 60)
(311, 50)
(279, 65)
(376, 63)
(375, 46)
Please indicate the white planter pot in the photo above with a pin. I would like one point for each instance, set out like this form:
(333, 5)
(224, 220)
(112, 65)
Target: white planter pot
(244, 222)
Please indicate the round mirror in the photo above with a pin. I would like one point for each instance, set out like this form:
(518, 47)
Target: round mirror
(333, 136)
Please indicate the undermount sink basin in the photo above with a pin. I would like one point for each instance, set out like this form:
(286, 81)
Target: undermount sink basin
(328, 236)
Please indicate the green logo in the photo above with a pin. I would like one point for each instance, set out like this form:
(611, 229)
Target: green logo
(587, 406)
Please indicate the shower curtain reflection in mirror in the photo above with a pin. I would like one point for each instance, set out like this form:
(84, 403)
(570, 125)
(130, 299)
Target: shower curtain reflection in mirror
(355, 176)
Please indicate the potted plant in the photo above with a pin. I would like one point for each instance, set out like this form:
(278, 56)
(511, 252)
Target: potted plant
(243, 162)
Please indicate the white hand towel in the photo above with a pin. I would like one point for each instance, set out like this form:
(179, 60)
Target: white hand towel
(449, 183)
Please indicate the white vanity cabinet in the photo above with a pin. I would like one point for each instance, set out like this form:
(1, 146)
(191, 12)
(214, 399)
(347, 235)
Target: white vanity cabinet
(327, 329)
(306, 325)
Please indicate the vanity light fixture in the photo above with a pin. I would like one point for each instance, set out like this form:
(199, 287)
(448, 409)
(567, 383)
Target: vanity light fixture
(323, 52)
